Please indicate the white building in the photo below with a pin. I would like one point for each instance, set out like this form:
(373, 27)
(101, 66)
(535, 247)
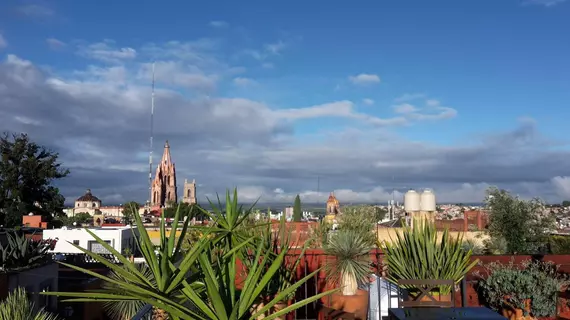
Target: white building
(120, 238)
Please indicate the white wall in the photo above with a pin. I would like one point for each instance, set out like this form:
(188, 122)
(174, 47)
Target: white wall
(118, 238)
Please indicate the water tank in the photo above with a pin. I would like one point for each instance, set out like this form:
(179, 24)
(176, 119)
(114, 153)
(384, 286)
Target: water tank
(427, 201)
(411, 201)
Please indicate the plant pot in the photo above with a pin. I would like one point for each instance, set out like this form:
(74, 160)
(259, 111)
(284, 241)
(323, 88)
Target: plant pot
(510, 312)
(356, 304)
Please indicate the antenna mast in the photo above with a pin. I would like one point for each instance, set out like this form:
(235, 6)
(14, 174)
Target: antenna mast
(151, 138)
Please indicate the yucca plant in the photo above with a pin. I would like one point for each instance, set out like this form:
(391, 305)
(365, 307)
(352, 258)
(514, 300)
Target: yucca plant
(123, 310)
(417, 254)
(350, 266)
(169, 284)
(199, 284)
(17, 307)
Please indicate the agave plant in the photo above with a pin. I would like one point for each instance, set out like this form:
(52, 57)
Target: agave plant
(201, 283)
(351, 264)
(418, 254)
(21, 252)
(17, 307)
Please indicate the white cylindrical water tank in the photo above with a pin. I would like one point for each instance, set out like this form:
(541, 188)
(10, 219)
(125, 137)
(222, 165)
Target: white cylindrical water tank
(411, 201)
(427, 201)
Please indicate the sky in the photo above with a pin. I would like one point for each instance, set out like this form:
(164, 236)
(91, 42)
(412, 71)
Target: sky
(365, 98)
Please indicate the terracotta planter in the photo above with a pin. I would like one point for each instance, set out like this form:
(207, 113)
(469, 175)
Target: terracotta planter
(356, 304)
(512, 313)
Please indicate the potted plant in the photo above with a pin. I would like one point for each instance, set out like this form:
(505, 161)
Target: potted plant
(418, 253)
(521, 292)
(349, 268)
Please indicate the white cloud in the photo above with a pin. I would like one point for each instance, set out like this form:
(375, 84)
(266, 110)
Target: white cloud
(244, 82)
(364, 79)
(3, 42)
(432, 103)
(432, 111)
(105, 51)
(275, 48)
(368, 101)
(229, 141)
(55, 44)
(219, 24)
(546, 3)
(409, 97)
(405, 108)
(36, 11)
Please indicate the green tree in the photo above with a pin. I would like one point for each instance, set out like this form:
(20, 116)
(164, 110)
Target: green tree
(362, 219)
(520, 223)
(185, 209)
(566, 203)
(129, 210)
(27, 171)
(297, 213)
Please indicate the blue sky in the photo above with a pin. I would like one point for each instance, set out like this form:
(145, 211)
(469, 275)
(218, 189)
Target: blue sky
(446, 74)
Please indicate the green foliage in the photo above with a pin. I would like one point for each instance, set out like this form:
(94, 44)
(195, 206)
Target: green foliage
(473, 246)
(124, 310)
(17, 307)
(26, 173)
(517, 221)
(559, 244)
(23, 253)
(199, 283)
(297, 212)
(361, 219)
(129, 210)
(184, 208)
(511, 285)
(417, 253)
(319, 234)
(566, 203)
(351, 250)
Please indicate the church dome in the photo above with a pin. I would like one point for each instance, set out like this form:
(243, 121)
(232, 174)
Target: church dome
(88, 197)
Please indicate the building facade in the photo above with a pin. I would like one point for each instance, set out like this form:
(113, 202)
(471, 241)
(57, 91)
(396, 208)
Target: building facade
(189, 192)
(164, 184)
(120, 238)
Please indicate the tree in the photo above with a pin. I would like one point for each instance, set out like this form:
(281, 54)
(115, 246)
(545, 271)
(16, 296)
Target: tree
(297, 213)
(27, 171)
(129, 210)
(566, 203)
(185, 209)
(520, 223)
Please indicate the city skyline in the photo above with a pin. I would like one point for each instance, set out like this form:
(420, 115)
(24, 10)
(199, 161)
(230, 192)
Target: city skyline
(269, 98)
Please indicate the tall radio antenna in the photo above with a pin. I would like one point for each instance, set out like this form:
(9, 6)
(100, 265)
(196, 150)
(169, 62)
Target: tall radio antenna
(151, 137)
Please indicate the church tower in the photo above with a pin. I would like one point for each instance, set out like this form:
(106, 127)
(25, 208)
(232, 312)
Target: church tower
(164, 184)
(189, 192)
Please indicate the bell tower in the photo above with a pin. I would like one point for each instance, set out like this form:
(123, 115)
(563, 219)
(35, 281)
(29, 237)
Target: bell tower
(189, 192)
(164, 184)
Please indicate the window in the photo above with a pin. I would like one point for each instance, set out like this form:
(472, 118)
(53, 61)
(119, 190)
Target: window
(93, 205)
(76, 242)
(95, 247)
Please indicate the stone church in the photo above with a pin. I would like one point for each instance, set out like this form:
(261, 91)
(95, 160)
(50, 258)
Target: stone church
(164, 189)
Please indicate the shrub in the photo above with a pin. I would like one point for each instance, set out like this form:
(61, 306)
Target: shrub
(511, 284)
